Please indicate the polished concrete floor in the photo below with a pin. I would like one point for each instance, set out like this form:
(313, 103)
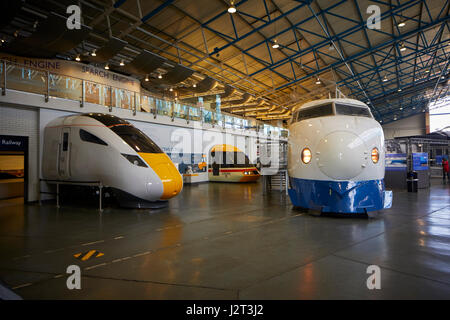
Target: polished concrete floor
(228, 241)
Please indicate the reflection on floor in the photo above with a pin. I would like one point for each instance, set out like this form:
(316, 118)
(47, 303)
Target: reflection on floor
(11, 202)
(221, 241)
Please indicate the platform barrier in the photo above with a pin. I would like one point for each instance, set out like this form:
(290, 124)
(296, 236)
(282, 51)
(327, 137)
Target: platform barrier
(275, 179)
(14, 76)
(74, 183)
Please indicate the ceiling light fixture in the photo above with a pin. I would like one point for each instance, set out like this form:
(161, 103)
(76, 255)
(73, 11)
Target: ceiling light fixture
(427, 71)
(171, 89)
(331, 47)
(402, 24)
(78, 58)
(93, 53)
(318, 81)
(160, 76)
(385, 79)
(194, 85)
(122, 63)
(402, 48)
(107, 67)
(231, 9)
(399, 90)
(275, 44)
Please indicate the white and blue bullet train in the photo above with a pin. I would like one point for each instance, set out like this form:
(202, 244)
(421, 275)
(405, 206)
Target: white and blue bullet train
(102, 147)
(336, 158)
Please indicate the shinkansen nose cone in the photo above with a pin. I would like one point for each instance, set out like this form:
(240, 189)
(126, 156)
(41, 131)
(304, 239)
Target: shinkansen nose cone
(341, 155)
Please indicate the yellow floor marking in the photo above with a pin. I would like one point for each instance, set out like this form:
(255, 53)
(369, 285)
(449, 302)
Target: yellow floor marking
(77, 255)
(99, 255)
(88, 255)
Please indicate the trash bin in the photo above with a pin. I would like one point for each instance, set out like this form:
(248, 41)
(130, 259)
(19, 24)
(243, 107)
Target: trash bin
(412, 181)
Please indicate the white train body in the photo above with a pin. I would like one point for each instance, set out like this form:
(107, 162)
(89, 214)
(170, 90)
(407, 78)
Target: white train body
(100, 147)
(345, 148)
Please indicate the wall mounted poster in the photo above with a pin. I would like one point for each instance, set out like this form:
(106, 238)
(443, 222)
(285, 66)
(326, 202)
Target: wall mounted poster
(396, 162)
(420, 161)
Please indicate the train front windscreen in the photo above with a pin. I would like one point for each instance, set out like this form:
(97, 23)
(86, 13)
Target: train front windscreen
(134, 137)
(231, 159)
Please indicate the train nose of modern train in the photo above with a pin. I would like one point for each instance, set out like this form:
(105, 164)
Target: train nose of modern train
(166, 171)
(342, 155)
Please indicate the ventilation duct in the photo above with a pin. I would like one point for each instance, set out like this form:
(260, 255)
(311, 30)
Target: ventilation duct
(9, 10)
(178, 74)
(145, 63)
(245, 99)
(228, 92)
(250, 109)
(51, 37)
(109, 50)
(205, 85)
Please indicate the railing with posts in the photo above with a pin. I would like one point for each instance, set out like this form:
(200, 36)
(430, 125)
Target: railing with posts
(28, 79)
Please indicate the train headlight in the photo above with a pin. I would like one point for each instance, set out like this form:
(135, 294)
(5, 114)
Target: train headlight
(306, 156)
(135, 160)
(375, 155)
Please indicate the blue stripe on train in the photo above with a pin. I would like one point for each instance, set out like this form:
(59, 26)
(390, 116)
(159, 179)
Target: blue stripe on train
(340, 197)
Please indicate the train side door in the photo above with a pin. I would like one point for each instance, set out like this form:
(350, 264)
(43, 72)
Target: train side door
(215, 168)
(64, 154)
(214, 165)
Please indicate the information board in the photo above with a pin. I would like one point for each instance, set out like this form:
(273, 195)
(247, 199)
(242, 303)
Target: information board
(395, 162)
(420, 161)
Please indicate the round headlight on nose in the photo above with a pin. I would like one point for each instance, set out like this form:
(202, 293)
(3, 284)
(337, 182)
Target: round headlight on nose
(306, 156)
(375, 155)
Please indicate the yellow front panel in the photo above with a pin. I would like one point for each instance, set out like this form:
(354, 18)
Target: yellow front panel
(166, 171)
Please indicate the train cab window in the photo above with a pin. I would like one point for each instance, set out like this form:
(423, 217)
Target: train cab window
(235, 160)
(315, 112)
(136, 139)
(89, 137)
(349, 110)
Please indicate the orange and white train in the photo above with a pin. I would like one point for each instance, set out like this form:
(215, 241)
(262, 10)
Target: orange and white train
(229, 164)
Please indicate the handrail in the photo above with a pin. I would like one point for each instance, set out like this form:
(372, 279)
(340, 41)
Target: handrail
(134, 101)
